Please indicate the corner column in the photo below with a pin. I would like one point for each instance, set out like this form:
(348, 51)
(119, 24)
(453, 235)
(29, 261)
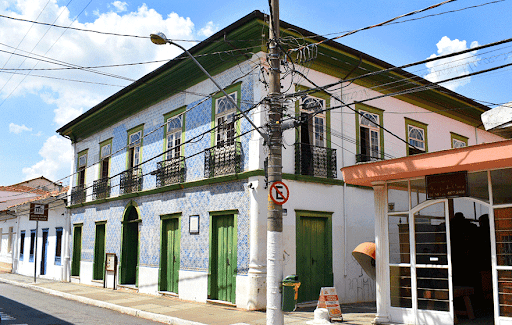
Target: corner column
(381, 254)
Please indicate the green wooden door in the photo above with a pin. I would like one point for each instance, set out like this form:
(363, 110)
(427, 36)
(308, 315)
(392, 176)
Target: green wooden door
(170, 255)
(99, 252)
(77, 251)
(314, 258)
(223, 259)
(130, 249)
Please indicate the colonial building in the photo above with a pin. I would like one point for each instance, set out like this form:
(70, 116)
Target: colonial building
(171, 178)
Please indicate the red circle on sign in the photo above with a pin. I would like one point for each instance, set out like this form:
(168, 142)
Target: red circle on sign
(274, 189)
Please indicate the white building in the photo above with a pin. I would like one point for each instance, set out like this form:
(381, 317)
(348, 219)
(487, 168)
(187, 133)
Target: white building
(172, 184)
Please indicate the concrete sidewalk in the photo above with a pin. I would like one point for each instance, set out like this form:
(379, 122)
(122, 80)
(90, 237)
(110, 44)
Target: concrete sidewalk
(172, 310)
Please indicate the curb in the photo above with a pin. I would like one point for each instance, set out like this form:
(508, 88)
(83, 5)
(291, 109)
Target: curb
(98, 303)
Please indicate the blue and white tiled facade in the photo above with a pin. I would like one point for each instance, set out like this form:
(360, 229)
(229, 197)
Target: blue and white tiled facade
(197, 200)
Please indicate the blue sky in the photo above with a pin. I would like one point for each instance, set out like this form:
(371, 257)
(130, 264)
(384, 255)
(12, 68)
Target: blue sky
(33, 107)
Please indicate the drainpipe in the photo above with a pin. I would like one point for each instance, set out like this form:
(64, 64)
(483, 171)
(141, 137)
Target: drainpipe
(344, 212)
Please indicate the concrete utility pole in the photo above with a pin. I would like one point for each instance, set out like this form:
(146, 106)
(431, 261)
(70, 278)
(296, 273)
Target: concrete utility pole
(275, 174)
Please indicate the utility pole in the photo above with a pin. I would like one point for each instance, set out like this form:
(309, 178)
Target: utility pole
(275, 174)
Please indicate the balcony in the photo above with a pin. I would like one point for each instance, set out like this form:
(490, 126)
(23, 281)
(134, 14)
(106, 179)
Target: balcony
(170, 172)
(315, 161)
(131, 181)
(223, 160)
(101, 189)
(78, 194)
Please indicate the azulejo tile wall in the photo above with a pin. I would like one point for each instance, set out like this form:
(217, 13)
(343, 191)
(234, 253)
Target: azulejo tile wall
(194, 251)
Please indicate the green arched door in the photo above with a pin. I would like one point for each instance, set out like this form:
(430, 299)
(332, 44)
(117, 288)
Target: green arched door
(130, 247)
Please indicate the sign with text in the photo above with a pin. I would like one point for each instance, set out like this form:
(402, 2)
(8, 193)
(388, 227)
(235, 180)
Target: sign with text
(329, 299)
(110, 262)
(447, 185)
(38, 212)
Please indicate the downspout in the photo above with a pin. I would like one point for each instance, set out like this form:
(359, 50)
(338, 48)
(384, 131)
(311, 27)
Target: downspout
(344, 191)
(15, 250)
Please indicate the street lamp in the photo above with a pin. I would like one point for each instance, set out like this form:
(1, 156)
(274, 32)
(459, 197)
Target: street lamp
(160, 39)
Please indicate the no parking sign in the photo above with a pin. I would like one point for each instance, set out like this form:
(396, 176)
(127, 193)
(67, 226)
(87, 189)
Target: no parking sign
(279, 193)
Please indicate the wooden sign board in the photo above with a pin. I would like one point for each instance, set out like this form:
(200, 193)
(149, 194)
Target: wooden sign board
(38, 212)
(447, 185)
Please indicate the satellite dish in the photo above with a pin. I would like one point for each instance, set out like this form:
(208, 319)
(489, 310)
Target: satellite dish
(365, 256)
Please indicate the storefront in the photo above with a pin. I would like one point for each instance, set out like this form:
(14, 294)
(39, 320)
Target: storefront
(443, 234)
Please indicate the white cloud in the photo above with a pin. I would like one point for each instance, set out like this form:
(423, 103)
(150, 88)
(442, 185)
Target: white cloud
(452, 67)
(14, 128)
(57, 154)
(208, 30)
(83, 49)
(120, 6)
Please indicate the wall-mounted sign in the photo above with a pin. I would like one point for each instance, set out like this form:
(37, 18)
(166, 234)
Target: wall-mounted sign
(279, 193)
(38, 212)
(110, 262)
(447, 185)
(194, 225)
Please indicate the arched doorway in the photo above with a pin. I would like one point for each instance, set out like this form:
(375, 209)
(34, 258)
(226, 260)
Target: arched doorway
(130, 245)
(440, 265)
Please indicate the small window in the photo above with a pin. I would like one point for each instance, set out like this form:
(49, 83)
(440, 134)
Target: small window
(458, 141)
(58, 245)
(174, 134)
(81, 166)
(369, 133)
(82, 161)
(416, 137)
(32, 245)
(135, 138)
(22, 244)
(225, 120)
(134, 143)
(106, 150)
(313, 131)
(105, 153)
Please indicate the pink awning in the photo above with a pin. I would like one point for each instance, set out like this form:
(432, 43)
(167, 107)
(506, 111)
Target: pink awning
(479, 157)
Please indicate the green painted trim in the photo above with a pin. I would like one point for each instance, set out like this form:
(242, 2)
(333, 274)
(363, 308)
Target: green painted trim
(316, 214)
(419, 125)
(457, 137)
(170, 216)
(78, 224)
(213, 214)
(164, 217)
(211, 181)
(102, 222)
(102, 144)
(167, 116)
(319, 94)
(80, 154)
(223, 212)
(123, 222)
(237, 87)
(130, 132)
(312, 179)
(373, 110)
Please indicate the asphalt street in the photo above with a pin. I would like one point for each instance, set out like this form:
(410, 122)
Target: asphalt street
(24, 306)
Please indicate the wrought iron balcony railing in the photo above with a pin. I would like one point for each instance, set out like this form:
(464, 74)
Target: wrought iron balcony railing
(223, 160)
(131, 181)
(101, 189)
(170, 172)
(365, 158)
(78, 194)
(315, 161)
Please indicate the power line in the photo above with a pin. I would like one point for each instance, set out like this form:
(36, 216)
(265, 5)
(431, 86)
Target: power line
(320, 88)
(115, 34)
(376, 25)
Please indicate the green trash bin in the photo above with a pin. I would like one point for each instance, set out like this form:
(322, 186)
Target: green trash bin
(291, 286)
